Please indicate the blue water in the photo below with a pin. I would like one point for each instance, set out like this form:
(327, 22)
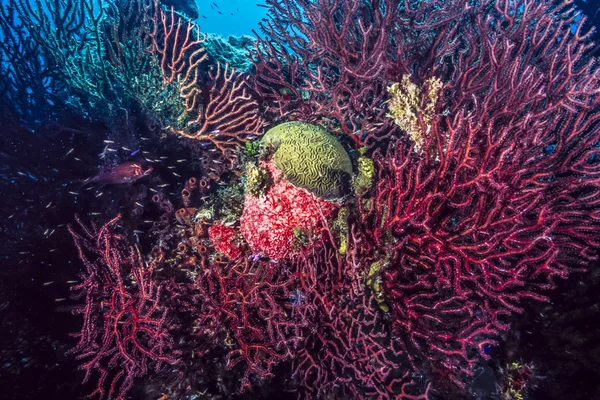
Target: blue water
(240, 23)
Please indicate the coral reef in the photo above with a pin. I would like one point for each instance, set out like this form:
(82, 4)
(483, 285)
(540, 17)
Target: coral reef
(475, 133)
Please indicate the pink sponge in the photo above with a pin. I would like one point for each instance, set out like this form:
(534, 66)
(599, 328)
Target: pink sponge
(225, 239)
(268, 222)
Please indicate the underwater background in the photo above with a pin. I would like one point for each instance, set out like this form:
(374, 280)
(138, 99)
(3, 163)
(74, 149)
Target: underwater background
(318, 199)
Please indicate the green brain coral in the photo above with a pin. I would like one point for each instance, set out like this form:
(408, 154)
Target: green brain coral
(310, 158)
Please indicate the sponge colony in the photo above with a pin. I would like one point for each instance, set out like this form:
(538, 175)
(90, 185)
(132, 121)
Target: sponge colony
(310, 158)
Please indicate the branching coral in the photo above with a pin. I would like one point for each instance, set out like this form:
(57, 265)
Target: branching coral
(126, 323)
(416, 278)
(226, 115)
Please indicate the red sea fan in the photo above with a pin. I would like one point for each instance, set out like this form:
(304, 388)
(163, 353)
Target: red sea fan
(487, 198)
(503, 199)
(328, 61)
(126, 330)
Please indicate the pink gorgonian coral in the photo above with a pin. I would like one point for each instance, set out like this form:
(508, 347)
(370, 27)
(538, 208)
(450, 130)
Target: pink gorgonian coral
(488, 185)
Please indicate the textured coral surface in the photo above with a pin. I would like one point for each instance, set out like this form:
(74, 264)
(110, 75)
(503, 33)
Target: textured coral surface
(271, 223)
(310, 158)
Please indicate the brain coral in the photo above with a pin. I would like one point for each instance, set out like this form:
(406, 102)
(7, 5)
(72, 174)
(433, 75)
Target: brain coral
(310, 158)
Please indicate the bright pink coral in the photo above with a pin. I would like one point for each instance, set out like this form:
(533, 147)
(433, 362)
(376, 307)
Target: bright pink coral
(225, 239)
(271, 222)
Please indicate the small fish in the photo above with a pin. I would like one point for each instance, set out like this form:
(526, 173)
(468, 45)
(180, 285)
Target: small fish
(46, 231)
(59, 300)
(76, 159)
(74, 193)
(125, 148)
(204, 17)
(109, 149)
(153, 190)
(134, 153)
(48, 283)
(215, 4)
(137, 203)
(71, 282)
(123, 173)
(164, 185)
(144, 138)
(99, 194)
(70, 151)
(220, 12)
(108, 141)
(95, 213)
(177, 175)
(21, 173)
(163, 157)
(182, 160)
(48, 205)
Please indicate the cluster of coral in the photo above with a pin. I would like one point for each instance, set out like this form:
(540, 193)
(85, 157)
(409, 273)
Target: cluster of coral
(309, 173)
(437, 169)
